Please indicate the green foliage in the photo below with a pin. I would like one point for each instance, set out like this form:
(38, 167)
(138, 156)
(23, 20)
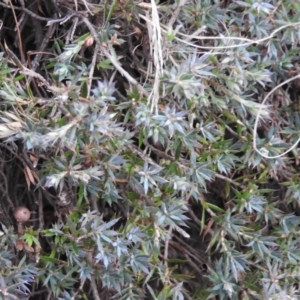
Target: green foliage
(133, 181)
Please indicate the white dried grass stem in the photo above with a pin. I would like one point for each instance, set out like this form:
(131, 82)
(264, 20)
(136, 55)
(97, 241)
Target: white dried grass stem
(154, 31)
(248, 42)
(257, 119)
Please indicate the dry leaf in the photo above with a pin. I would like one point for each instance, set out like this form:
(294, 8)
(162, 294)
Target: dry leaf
(20, 245)
(34, 160)
(208, 227)
(28, 248)
(27, 179)
(38, 248)
(35, 175)
(28, 176)
(137, 30)
(120, 180)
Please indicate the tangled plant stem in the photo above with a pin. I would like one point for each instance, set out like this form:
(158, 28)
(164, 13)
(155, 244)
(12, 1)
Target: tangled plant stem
(257, 120)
